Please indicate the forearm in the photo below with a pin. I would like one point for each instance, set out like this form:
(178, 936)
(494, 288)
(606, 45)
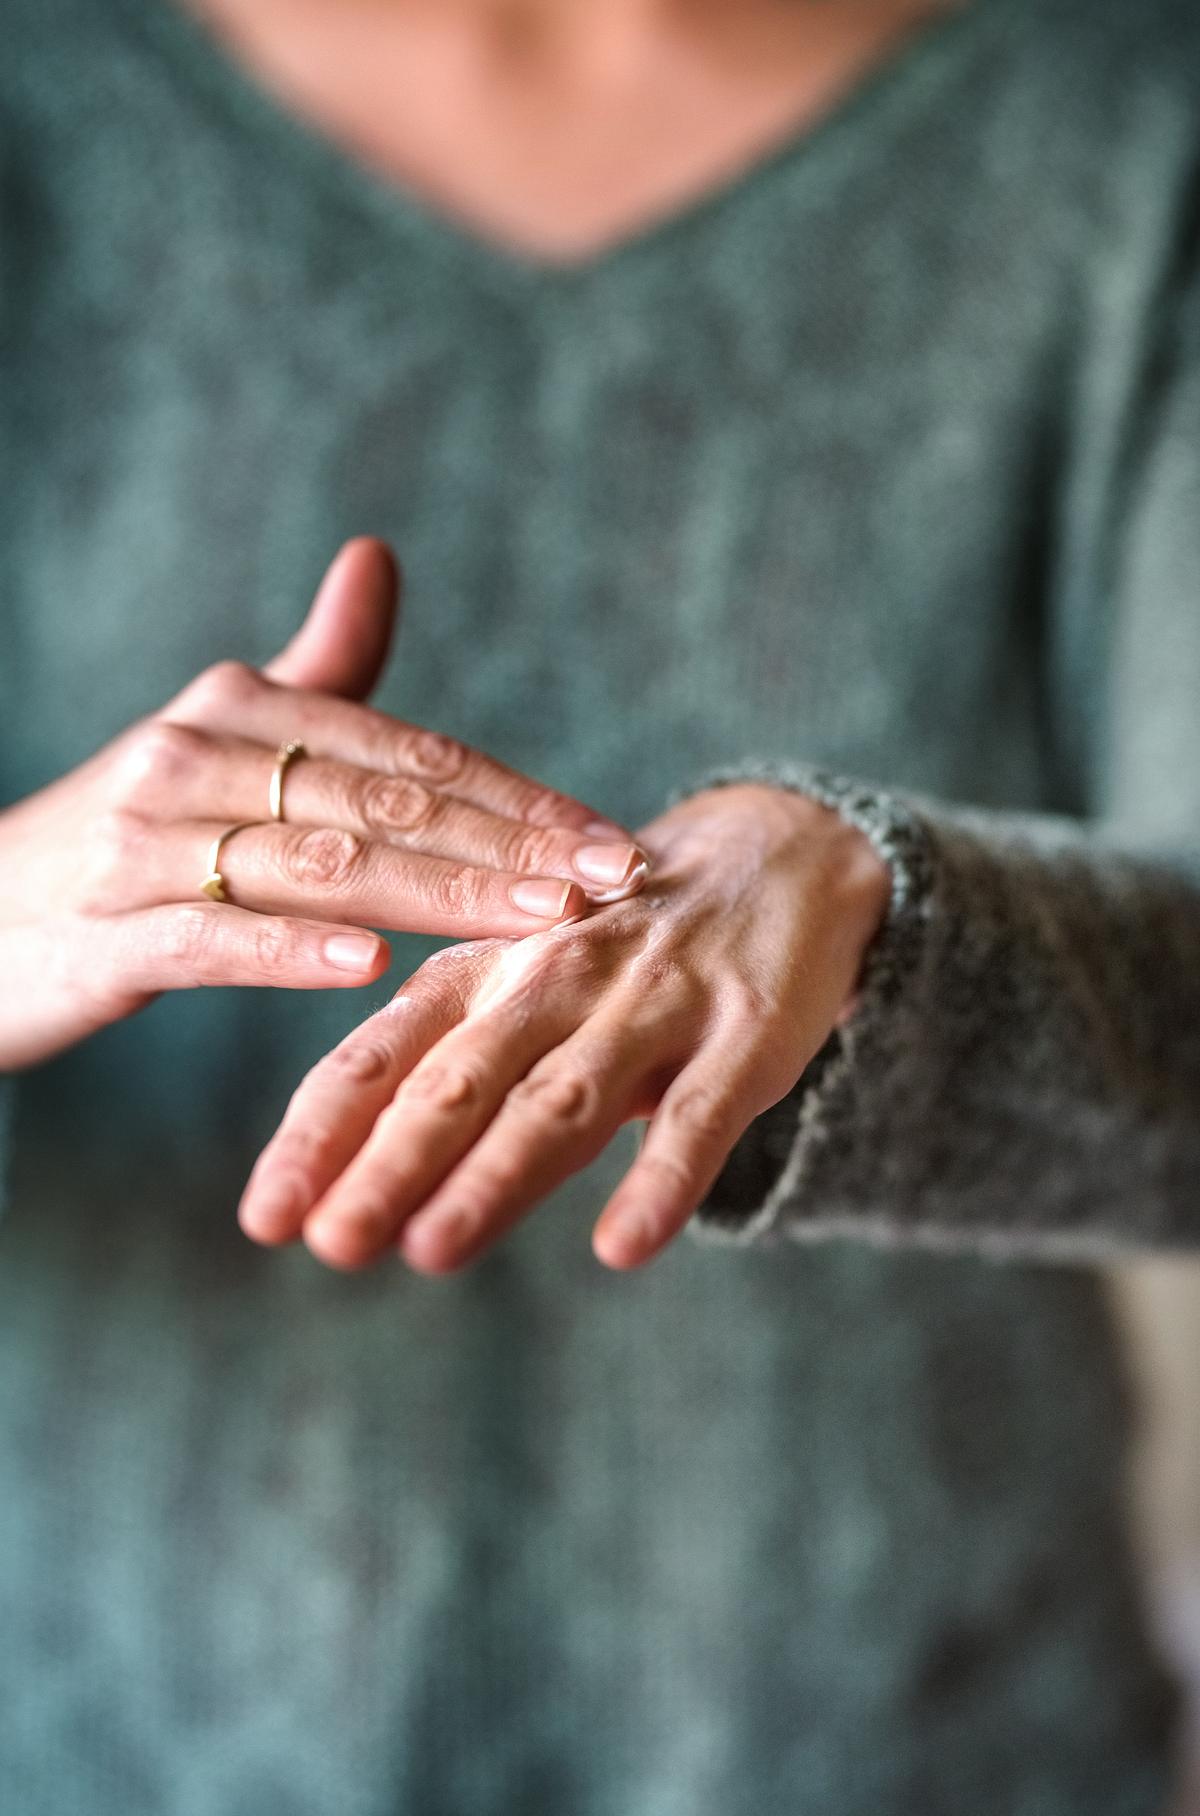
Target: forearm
(1022, 1073)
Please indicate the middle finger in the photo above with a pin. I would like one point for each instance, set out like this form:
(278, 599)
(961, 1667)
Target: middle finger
(238, 701)
(328, 874)
(202, 776)
(551, 1124)
(442, 1107)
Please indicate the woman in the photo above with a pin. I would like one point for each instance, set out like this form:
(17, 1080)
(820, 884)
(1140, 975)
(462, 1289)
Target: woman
(746, 389)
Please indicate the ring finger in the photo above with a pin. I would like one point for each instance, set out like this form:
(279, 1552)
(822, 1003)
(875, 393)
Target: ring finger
(323, 872)
(552, 1123)
(192, 774)
(442, 1107)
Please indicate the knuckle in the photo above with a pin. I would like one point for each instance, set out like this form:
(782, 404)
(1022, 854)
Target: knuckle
(323, 858)
(577, 964)
(271, 946)
(669, 1171)
(188, 937)
(546, 807)
(394, 803)
(444, 1086)
(664, 980)
(489, 1185)
(157, 753)
(530, 972)
(226, 684)
(701, 1113)
(559, 1096)
(655, 970)
(118, 838)
(307, 1147)
(450, 975)
(359, 1062)
(534, 848)
(566, 965)
(120, 833)
(667, 977)
(432, 755)
(471, 958)
(748, 1001)
(454, 892)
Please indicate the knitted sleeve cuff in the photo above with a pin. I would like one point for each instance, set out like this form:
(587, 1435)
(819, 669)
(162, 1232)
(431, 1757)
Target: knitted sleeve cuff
(1020, 1074)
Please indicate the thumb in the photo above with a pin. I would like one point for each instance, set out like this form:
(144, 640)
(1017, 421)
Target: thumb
(343, 643)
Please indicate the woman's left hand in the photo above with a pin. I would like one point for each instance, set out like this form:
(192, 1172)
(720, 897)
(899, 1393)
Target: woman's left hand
(503, 1066)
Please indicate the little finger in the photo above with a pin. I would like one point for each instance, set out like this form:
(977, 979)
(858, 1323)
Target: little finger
(184, 946)
(701, 1115)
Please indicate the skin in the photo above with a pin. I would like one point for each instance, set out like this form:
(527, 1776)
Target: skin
(558, 128)
(557, 131)
(501, 1068)
(386, 824)
(507, 1063)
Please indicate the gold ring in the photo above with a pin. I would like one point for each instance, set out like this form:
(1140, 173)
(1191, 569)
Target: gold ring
(284, 757)
(213, 885)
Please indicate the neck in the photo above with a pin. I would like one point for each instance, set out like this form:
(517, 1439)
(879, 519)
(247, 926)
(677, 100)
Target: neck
(609, 37)
(561, 126)
(570, 30)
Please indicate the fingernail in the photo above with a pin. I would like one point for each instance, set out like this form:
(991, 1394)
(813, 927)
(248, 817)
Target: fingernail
(351, 951)
(611, 864)
(546, 898)
(606, 829)
(632, 883)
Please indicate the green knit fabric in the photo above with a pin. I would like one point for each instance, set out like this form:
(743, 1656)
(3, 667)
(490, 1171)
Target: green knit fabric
(877, 473)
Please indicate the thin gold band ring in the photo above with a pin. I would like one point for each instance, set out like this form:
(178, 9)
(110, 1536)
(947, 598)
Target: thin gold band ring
(285, 756)
(213, 885)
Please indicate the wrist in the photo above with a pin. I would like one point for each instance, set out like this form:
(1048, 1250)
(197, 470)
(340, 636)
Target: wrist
(852, 880)
(859, 872)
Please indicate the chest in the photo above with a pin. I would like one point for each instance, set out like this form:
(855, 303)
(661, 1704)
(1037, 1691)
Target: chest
(729, 494)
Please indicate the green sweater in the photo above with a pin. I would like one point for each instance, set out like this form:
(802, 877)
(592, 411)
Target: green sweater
(883, 460)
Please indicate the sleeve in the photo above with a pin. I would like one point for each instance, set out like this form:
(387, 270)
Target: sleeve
(1021, 1076)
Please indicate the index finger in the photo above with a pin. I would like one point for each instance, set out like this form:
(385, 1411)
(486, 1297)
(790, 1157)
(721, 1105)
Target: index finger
(336, 1105)
(235, 699)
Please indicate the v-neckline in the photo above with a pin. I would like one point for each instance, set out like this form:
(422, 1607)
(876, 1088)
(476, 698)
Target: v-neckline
(923, 51)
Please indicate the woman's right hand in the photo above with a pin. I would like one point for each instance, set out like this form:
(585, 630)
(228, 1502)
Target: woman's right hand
(386, 825)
